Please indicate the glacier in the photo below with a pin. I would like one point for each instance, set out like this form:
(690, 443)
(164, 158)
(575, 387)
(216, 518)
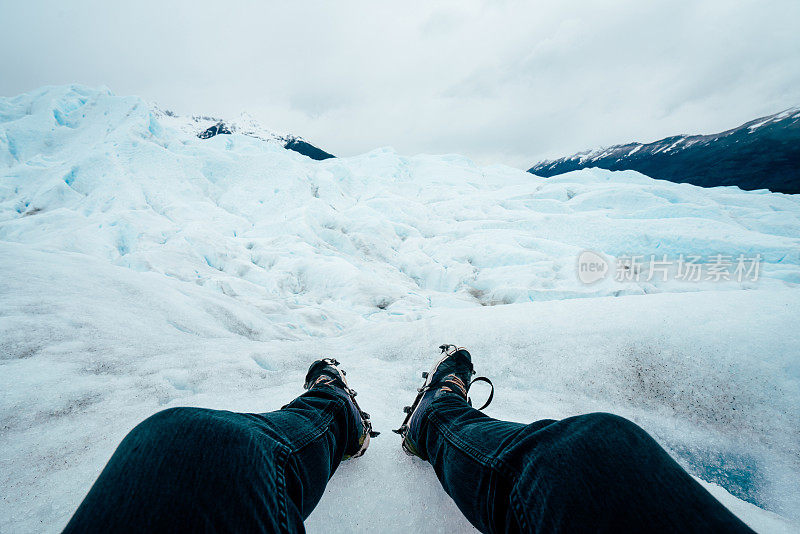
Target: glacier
(144, 268)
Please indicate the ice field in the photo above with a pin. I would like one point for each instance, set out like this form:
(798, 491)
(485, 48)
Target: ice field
(144, 268)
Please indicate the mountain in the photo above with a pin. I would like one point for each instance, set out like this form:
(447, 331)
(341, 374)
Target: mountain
(206, 127)
(761, 154)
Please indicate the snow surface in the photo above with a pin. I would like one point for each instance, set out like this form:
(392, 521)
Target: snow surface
(144, 268)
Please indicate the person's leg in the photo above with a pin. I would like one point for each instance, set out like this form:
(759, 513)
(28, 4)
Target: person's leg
(595, 472)
(198, 470)
(465, 448)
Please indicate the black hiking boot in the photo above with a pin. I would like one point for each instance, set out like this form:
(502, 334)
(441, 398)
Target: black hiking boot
(326, 373)
(452, 374)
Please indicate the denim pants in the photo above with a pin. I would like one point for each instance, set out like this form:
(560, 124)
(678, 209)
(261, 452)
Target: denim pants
(590, 473)
(198, 470)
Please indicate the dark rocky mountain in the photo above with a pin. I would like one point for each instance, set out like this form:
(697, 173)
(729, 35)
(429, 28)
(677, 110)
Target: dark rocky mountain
(211, 131)
(306, 149)
(289, 142)
(206, 127)
(760, 154)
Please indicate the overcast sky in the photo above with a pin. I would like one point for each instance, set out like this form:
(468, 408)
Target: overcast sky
(499, 81)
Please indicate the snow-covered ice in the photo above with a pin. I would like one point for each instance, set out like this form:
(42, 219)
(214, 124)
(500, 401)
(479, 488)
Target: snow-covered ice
(144, 268)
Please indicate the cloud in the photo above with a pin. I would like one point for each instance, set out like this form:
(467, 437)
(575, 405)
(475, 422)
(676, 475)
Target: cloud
(499, 81)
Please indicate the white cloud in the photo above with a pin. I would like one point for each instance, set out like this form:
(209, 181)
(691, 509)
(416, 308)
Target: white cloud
(507, 81)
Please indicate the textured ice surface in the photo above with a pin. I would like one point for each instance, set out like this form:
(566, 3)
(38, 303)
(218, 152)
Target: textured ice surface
(143, 268)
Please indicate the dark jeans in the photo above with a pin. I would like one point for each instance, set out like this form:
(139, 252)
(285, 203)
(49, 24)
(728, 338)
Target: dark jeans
(591, 473)
(197, 470)
(190, 469)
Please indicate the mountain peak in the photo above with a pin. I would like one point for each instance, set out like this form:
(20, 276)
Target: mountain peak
(763, 153)
(206, 127)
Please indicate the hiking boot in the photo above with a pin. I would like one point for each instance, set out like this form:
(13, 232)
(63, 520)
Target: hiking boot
(451, 375)
(326, 373)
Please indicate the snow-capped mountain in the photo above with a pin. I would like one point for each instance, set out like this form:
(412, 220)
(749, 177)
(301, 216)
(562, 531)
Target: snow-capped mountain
(206, 127)
(144, 267)
(761, 154)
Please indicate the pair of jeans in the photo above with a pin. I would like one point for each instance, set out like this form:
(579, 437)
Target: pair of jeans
(191, 469)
